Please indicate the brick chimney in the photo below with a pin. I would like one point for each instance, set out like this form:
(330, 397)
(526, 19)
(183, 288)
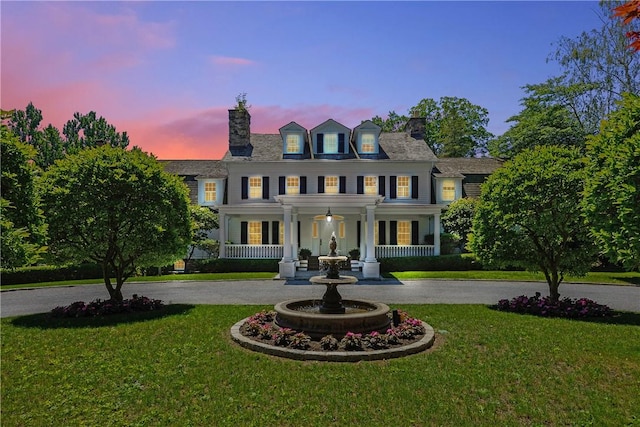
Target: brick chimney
(416, 127)
(240, 132)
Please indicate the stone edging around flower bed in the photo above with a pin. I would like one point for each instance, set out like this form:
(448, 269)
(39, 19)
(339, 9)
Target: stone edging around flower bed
(334, 356)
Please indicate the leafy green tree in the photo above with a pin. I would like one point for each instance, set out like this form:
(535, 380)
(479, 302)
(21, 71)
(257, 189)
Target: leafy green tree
(544, 120)
(598, 67)
(527, 216)
(117, 208)
(203, 220)
(87, 130)
(458, 218)
(23, 227)
(454, 126)
(612, 190)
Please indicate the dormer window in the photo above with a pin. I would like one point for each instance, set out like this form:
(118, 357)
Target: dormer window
(368, 143)
(330, 143)
(293, 144)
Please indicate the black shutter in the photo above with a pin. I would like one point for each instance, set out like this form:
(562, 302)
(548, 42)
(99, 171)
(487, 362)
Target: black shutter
(415, 239)
(303, 185)
(275, 232)
(414, 187)
(245, 187)
(360, 184)
(359, 236)
(298, 236)
(341, 143)
(282, 185)
(343, 185)
(265, 232)
(320, 143)
(381, 189)
(244, 232)
(382, 233)
(393, 232)
(321, 184)
(265, 187)
(393, 187)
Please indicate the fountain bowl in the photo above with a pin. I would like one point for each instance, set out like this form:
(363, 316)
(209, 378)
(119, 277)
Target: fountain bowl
(360, 316)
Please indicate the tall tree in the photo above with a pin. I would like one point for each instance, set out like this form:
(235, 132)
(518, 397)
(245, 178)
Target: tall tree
(546, 119)
(458, 218)
(117, 208)
(527, 216)
(454, 126)
(612, 190)
(88, 130)
(598, 68)
(23, 228)
(203, 220)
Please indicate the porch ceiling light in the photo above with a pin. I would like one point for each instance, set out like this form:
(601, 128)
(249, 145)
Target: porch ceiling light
(329, 215)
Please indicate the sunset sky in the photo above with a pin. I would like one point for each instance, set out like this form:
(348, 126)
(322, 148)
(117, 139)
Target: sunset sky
(167, 72)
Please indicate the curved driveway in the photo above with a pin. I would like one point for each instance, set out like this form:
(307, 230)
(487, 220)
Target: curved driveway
(39, 300)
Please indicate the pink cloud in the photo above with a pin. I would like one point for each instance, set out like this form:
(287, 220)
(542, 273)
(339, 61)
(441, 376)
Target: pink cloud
(229, 60)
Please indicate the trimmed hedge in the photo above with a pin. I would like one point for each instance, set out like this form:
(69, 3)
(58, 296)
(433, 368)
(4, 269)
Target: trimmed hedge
(49, 273)
(435, 263)
(231, 265)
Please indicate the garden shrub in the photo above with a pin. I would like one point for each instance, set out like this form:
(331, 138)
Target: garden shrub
(436, 263)
(50, 273)
(230, 265)
(106, 307)
(564, 307)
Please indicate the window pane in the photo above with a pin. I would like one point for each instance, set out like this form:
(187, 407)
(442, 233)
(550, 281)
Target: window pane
(331, 185)
(209, 191)
(341, 232)
(293, 143)
(314, 230)
(404, 232)
(255, 187)
(403, 187)
(368, 143)
(448, 190)
(293, 185)
(330, 143)
(255, 233)
(281, 233)
(370, 185)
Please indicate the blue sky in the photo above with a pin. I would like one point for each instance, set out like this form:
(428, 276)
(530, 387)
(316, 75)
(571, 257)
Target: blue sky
(167, 72)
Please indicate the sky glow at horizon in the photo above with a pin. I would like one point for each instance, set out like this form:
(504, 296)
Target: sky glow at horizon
(167, 72)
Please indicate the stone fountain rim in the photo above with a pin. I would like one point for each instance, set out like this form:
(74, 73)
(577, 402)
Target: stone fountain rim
(380, 308)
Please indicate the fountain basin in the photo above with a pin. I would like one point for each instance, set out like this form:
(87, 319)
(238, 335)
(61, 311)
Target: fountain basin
(360, 317)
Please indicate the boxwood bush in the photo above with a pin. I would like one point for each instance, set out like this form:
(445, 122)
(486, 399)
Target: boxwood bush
(435, 263)
(230, 265)
(50, 273)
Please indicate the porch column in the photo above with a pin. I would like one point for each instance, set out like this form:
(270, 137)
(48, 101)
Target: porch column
(363, 235)
(371, 266)
(294, 234)
(287, 234)
(222, 235)
(436, 234)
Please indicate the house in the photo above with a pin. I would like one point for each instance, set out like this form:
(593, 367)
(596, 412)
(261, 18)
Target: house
(278, 193)
(458, 177)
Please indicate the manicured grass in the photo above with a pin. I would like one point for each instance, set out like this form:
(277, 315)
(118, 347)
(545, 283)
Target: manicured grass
(487, 368)
(617, 278)
(165, 278)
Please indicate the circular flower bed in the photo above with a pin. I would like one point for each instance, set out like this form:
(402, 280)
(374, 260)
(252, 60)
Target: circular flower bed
(261, 328)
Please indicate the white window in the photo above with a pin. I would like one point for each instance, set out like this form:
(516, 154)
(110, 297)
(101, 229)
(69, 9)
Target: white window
(404, 232)
(293, 185)
(330, 143)
(255, 187)
(403, 184)
(293, 143)
(255, 233)
(210, 192)
(371, 185)
(368, 143)
(448, 190)
(331, 185)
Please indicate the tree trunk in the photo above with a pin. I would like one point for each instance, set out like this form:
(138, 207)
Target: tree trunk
(554, 284)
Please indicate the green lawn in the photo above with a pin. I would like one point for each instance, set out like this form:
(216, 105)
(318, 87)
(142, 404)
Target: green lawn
(486, 368)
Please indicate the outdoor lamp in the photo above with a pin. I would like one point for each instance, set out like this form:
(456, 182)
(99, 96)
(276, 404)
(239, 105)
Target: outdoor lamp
(329, 215)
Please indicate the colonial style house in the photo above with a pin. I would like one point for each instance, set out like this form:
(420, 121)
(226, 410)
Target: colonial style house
(278, 193)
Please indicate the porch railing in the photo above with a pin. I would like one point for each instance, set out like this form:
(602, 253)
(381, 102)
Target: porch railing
(398, 251)
(254, 251)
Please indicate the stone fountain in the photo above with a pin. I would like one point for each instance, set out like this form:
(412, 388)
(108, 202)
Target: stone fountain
(332, 315)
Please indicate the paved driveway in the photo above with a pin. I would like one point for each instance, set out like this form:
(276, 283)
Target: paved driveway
(39, 300)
